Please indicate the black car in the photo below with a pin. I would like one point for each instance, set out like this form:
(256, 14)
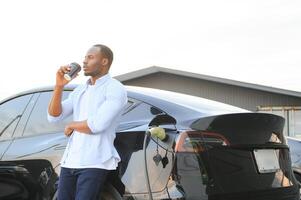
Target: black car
(172, 146)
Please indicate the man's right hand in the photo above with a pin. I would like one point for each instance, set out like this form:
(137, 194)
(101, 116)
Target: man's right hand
(60, 80)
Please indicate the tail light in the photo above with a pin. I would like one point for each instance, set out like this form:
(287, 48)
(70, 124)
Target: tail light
(198, 141)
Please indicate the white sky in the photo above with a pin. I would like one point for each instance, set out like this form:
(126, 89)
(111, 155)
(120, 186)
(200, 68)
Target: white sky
(255, 41)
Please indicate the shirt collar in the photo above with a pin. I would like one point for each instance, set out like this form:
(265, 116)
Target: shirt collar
(100, 80)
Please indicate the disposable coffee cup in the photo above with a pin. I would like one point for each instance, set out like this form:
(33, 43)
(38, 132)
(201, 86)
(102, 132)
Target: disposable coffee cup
(75, 68)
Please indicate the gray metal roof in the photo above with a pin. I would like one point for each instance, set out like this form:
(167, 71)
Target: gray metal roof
(156, 69)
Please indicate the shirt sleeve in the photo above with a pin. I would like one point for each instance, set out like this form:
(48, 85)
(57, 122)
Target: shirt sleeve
(115, 101)
(67, 110)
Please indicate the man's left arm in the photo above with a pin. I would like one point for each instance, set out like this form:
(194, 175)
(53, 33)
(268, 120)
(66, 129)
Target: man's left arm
(116, 99)
(80, 126)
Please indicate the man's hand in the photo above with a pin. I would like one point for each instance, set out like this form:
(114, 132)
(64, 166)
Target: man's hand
(79, 126)
(60, 80)
(68, 131)
(55, 105)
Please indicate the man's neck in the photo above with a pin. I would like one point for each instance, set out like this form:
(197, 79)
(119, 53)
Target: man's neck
(93, 79)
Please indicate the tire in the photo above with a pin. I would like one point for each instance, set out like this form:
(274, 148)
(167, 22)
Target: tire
(54, 196)
(110, 193)
(298, 177)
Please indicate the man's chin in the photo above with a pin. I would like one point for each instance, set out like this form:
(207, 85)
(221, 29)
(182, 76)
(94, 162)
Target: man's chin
(87, 74)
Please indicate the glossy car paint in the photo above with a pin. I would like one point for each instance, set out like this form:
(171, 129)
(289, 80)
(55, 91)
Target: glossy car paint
(210, 149)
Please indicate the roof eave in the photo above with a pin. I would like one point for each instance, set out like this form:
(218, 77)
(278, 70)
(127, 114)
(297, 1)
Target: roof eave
(156, 69)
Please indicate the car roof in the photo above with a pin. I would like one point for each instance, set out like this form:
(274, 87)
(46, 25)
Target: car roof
(193, 102)
(36, 90)
(174, 103)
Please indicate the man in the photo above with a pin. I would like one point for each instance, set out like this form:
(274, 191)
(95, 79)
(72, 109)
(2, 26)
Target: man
(96, 107)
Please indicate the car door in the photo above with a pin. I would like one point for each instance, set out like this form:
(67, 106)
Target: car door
(129, 143)
(39, 139)
(11, 111)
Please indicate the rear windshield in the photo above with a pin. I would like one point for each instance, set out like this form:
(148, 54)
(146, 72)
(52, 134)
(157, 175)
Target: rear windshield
(192, 102)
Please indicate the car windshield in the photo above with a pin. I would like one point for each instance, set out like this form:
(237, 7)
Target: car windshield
(192, 102)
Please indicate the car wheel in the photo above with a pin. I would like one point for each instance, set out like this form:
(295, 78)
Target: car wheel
(54, 196)
(110, 193)
(298, 177)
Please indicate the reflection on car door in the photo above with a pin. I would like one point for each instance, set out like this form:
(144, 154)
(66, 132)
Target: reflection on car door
(11, 112)
(129, 143)
(39, 139)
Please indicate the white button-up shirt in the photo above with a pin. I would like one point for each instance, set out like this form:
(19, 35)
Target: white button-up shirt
(101, 105)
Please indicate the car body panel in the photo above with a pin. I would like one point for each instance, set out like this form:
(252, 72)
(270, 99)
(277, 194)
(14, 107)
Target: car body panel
(4, 144)
(209, 150)
(27, 180)
(50, 147)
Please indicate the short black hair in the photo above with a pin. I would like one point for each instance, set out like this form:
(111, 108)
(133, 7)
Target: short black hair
(106, 51)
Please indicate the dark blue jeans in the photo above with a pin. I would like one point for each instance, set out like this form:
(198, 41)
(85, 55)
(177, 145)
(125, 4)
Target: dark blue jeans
(81, 184)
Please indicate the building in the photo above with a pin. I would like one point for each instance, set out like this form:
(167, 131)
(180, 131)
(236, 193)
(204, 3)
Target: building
(252, 97)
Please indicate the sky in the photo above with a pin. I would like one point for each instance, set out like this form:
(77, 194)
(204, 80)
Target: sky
(254, 41)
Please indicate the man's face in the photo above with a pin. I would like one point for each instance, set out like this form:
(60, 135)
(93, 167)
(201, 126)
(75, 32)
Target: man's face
(94, 63)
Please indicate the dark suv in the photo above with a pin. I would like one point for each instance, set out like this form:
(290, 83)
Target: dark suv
(210, 151)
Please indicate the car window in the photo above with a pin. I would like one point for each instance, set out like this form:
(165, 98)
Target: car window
(137, 114)
(38, 123)
(127, 107)
(10, 114)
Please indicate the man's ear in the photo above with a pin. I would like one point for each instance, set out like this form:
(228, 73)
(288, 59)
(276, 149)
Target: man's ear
(105, 61)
